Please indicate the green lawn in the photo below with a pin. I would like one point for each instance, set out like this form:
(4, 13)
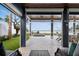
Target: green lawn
(13, 43)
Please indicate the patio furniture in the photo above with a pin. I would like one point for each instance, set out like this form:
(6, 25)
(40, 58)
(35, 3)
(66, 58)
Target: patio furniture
(76, 52)
(73, 50)
(16, 53)
(61, 52)
(39, 53)
(2, 51)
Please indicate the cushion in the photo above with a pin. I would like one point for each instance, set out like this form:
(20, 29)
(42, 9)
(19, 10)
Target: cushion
(76, 52)
(72, 49)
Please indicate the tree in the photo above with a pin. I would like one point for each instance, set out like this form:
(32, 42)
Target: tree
(27, 29)
(16, 24)
(8, 19)
(0, 18)
(37, 32)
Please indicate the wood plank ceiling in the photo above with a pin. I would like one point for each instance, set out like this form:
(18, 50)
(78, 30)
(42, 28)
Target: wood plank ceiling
(50, 5)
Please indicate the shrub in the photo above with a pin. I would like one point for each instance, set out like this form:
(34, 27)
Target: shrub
(3, 38)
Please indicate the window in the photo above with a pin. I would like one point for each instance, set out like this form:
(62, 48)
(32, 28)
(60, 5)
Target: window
(9, 30)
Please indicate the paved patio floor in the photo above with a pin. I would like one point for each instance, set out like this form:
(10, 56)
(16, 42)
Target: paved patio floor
(41, 43)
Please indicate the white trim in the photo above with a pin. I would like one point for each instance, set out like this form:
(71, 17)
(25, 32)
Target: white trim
(50, 9)
(44, 9)
(73, 9)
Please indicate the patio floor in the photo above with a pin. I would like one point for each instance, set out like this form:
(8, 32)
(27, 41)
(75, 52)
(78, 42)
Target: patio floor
(41, 43)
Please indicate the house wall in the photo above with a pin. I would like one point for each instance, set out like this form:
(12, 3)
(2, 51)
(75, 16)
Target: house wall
(4, 28)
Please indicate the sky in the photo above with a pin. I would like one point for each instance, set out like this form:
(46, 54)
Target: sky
(45, 25)
(3, 12)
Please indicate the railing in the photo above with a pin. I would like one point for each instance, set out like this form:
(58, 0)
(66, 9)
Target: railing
(15, 53)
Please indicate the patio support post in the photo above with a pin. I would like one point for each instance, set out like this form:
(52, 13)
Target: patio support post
(23, 29)
(65, 27)
(30, 28)
(74, 26)
(51, 29)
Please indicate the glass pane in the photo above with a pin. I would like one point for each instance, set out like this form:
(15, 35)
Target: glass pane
(9, 30)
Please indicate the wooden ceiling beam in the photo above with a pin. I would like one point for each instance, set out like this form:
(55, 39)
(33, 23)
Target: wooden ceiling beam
(51, 17)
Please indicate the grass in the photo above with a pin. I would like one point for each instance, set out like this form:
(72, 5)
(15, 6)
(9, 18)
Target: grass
(27, 36)
(13, 43)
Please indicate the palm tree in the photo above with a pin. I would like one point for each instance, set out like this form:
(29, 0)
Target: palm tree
(9, 20)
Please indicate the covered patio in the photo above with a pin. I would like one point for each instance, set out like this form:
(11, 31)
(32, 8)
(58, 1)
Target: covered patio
(42, 12)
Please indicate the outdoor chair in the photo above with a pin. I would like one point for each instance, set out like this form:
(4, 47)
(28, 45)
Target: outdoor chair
(73, 50)
(18, 53)
(76, 52)
(61, 52)
(15, 53)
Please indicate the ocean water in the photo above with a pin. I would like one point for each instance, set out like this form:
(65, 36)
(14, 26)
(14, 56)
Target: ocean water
(55, 31)
(47, 31)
